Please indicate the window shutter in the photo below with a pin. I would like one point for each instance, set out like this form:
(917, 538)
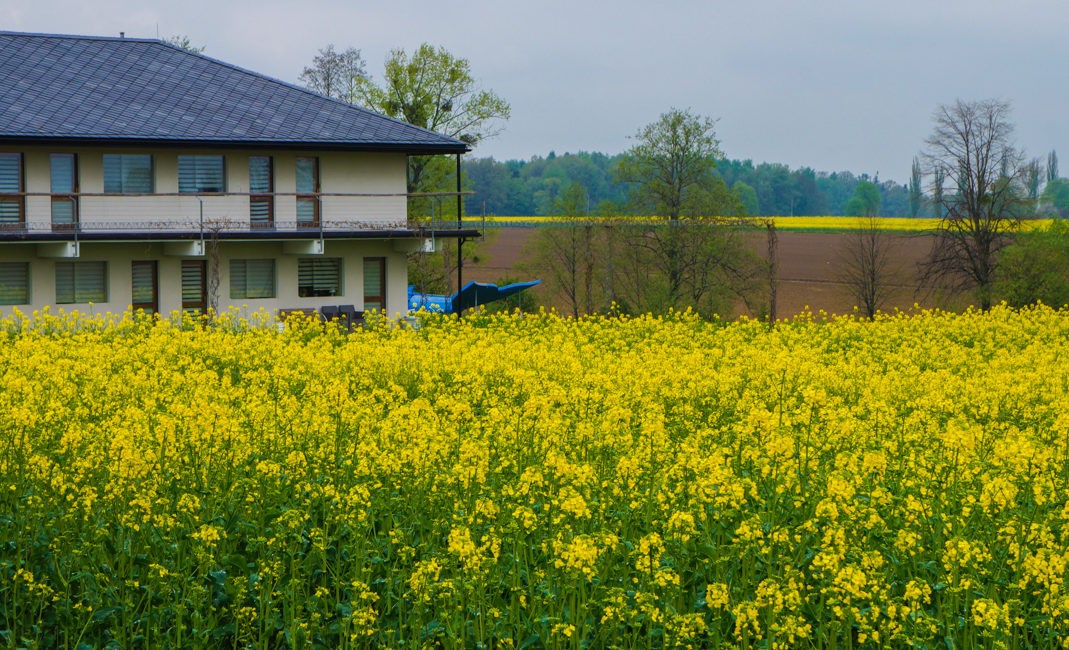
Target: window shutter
(90, 282)
(14, 283)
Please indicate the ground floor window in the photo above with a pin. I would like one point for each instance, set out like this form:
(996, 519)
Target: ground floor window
(144, 281)
(194, 286)
(374, 283)
(14, 283)
(81, 282)
(319, 276)
(252, 279)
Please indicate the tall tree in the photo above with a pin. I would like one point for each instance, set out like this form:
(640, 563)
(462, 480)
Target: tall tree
(1033, 173)
(435, 90)
(972, 146)
(335, 74)
(1052, 165)
(866, 200)
(693, 257)
(867, 265)
(916, 190)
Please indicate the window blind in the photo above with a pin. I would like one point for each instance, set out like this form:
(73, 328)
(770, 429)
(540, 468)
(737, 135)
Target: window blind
(143, 282)
(319, 276)
(252, 278)
(128, 173)
(14, 283)
(81, 282)
(374, 283)
(10, 182)
(201, 174)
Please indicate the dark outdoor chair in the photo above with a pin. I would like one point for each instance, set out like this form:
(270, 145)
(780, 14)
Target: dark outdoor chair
(353, 317)
(329, 312)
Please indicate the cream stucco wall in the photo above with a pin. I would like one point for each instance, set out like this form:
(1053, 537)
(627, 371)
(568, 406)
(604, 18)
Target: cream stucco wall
(352, 173)
(119, 257)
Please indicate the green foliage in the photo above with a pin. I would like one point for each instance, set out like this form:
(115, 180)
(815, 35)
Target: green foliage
(183, 42)
(1056, 196)
(434, 90)
(865, 202)
(1035, 268)
(747, 196)
(529, 187)
(670, 167)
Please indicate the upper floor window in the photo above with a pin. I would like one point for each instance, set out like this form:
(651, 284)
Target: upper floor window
(307, 192)
(201, 174)
(64, 180)
(261, 192)
(11, 199)
(128, 173)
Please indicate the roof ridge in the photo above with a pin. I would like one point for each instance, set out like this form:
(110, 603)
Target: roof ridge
(81, 37)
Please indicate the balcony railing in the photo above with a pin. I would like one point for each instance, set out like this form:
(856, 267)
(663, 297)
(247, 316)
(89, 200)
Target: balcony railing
(224, 212)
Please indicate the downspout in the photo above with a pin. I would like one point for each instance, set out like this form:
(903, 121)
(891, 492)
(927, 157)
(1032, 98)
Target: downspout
(460, 226)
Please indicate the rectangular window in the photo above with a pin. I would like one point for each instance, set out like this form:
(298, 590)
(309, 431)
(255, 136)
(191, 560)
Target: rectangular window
(318, 276)
(14, 283)
(81, 282)
(374, 283)
(308, 192)
(261, 192)
(201, 174)
(11, 199)
(64, 173)
(194, 286)
(252, 279)
(128, 173)
(144, 282)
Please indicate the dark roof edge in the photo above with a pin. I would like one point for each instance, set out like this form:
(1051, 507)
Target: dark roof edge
(413, 149)
(16, 237)
(259, 75)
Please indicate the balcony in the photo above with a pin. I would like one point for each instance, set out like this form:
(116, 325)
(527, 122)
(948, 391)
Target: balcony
(32, 216)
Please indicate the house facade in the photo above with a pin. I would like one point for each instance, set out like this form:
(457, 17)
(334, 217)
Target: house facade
(134, 174)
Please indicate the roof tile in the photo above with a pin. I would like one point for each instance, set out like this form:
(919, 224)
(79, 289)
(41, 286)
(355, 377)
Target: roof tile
(86, 88)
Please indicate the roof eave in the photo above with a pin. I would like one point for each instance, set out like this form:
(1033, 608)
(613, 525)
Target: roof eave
(409, 148)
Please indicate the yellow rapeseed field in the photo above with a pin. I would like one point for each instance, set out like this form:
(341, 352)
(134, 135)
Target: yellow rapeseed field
(806, 223)
(534, 481)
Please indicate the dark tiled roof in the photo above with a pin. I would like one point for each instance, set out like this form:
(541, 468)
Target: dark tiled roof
(93, 89)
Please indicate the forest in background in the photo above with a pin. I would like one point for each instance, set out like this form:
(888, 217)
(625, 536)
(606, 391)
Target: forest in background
(533, 187)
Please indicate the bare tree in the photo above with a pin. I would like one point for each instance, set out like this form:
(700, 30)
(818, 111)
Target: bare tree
(868, 265)
(972, 147)
(566, 250)
(335, 74)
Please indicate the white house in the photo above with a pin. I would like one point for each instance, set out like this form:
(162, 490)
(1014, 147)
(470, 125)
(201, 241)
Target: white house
(136, 174)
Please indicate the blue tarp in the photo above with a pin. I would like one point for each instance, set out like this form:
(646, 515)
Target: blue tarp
(471, 295)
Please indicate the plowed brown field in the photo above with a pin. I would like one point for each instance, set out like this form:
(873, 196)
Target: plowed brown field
(810, 270)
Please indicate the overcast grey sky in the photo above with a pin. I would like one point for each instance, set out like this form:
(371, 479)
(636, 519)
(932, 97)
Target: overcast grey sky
(829, 84)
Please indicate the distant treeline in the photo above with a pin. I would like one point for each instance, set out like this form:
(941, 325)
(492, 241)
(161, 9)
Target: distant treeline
(532, 187)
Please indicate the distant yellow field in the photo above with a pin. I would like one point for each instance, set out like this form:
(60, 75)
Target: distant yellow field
(824, 223)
